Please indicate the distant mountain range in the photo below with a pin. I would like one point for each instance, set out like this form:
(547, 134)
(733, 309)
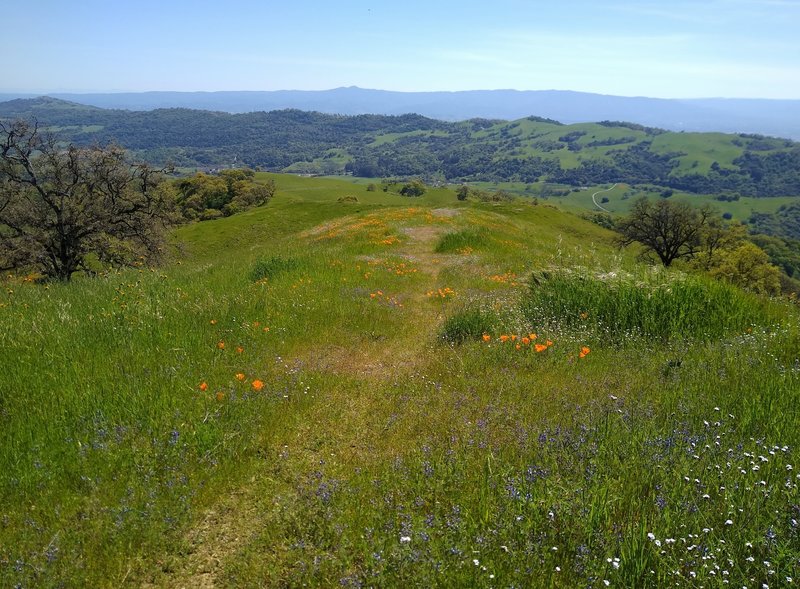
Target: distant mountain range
(779, 118)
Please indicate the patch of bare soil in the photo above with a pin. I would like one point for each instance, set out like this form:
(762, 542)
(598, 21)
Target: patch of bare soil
(222, 531)
(445, 212)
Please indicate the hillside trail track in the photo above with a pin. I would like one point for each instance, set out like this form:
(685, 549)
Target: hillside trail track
(594, 199)
(242, 514)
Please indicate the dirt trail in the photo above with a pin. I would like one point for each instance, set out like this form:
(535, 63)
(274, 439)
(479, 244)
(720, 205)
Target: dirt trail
(227, 528)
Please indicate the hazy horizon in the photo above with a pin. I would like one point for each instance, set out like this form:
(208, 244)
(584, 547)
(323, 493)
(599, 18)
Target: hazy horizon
(710, 49)
(157, 91)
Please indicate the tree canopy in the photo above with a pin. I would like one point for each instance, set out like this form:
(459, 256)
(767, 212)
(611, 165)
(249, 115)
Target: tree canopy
(670, 230)
(61, 208)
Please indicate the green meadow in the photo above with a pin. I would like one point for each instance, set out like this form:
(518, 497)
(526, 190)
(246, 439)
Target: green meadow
(358, 389)
(622, 196)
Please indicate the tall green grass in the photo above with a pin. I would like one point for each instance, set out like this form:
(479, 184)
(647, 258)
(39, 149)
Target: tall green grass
(468, 324)
(273, 266)
(469, 238)
(655, 304)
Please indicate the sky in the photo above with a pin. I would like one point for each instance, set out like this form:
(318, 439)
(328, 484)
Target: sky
(666, 49)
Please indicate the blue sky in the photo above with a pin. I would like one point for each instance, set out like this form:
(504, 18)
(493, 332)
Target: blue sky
(678, 49)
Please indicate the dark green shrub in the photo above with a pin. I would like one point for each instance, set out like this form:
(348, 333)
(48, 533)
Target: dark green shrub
(413, 188)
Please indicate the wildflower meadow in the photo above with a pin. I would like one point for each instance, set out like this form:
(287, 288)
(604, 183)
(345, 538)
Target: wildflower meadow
(386, 391)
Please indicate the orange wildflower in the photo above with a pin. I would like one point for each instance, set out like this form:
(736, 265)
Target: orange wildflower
(256, 323)
(533, 336)
(487, 337)
(239, 376)
(584, 352)
(239, 349)
(203, 386)
(221, 345)
(266, 329)
(526, 341)
(257, 385)
(503, 338)
(549, 343)
(513, 338)
(220, 396)
(540, 347)
(518, 346)
(213, 322)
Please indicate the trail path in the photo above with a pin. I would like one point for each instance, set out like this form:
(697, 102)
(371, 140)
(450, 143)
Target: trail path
(594, 200)
(238, 518)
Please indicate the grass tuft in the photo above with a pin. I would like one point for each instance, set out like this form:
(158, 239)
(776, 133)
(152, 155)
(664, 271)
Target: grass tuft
(469, 324)
(273, 266)
(462, 240)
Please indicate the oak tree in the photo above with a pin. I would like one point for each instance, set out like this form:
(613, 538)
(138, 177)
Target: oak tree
(63, 208)
(670, 230)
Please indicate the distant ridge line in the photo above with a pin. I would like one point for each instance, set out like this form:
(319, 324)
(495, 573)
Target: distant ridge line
(774, 117)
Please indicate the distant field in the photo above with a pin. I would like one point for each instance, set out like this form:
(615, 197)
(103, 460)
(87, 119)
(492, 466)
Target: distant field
(700, 149)
(620, 199)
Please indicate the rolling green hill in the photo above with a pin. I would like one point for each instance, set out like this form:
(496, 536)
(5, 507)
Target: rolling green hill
(525, 151)
(352, 388)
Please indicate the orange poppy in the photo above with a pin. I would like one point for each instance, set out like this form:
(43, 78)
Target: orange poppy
(533, 336)
(239, 376)
(257, 385)
(526, 340)
(584, 352)
(486, 337)
(239, 349)
(220, 396)
(540, 347)
(203, 386)
(549, 343)
(213, 322)
(221, 345)
(503, 338)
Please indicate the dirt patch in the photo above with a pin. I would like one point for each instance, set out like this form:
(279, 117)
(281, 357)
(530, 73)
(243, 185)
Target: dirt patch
(445, 212)
(222, 531)
(423, 233)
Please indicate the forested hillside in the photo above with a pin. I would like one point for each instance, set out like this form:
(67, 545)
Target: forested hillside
(527, 150)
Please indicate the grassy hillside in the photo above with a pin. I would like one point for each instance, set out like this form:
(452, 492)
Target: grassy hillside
(391, 391)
